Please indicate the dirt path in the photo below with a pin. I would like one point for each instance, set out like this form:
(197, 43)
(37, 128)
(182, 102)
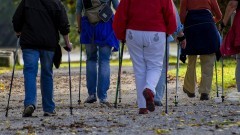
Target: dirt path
(191, 116)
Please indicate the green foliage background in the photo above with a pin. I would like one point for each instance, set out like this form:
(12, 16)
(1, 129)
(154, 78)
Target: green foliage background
(222, 4)
(71, 7)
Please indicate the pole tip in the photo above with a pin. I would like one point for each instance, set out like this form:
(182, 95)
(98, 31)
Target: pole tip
(222, 98)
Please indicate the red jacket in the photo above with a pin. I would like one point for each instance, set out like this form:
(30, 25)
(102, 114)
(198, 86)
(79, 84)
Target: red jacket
(144, 15)
(231, 42)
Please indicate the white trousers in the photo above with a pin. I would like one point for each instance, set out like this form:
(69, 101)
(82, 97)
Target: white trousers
(146, 50)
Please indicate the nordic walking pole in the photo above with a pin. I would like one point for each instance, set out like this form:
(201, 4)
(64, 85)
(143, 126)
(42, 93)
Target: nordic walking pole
(166, 107)
(119, 85)
(15, 59)
(216, 72)
(222, 74)
(177, 71)
(70, 82)
(80, 74)
(222, 83)
(119, 73)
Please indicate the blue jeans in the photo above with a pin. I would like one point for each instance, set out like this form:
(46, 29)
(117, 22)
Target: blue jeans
(98, 79)
(30, 58)
(161, 86)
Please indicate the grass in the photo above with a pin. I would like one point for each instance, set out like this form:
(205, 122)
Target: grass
(65, 65)
(112, 63)
(229, 70)
(9, 69)
(228, 73)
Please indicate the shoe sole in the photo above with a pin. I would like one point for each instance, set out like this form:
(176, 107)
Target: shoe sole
(158, 104)
(150, 104)
(106, 104)
(28, 112)
(91, 101)
(143, 112)
(49, 115)
(204, 99)
(190, 95)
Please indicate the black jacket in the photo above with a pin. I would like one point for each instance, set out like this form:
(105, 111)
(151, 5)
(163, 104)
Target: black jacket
(40, 22)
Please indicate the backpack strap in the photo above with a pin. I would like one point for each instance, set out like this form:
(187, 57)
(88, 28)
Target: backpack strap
(87, 4)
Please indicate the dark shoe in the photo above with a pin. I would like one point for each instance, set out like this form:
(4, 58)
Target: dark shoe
(191, 95)
(91, 99)
(148, 95)
(143, 111)
(204, 96)
(50, 113)
(28, 111)
(158, 103)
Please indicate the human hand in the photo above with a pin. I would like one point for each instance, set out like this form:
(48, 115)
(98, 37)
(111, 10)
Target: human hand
(79, 30)
(182, 41)
(183, 44)
(18, 34)
(68, 47)
(221, 26)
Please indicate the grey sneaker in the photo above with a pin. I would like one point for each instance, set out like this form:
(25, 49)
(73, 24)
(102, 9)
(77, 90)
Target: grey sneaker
(28, 111)
(50, 113)
(158, 103)
(105, 102)
(91, 99)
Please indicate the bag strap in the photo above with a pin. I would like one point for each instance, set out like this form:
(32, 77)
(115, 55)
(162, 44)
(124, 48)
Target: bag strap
(87, 4)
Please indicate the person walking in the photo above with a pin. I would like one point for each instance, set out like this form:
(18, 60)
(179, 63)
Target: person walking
(100, 41)
(145, 25)
(160, 89)
(38, 23)
(199, 18)
(231, 43)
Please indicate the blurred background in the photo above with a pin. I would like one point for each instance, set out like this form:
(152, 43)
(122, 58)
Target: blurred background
(8, 39)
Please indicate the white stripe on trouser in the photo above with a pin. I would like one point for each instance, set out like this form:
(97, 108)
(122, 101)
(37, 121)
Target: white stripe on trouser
(147, 52)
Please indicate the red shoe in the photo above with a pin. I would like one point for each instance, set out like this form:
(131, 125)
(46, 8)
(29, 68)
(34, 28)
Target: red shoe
(143, 111)
(148, 95)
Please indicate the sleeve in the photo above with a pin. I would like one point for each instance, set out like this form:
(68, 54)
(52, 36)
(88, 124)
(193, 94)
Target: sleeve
(64, 26)
(216, 10)
(120, 20)
(79, 7)
(179, 24)
(169, 16)
(18, 17)
(115, 4)
(183, 10)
